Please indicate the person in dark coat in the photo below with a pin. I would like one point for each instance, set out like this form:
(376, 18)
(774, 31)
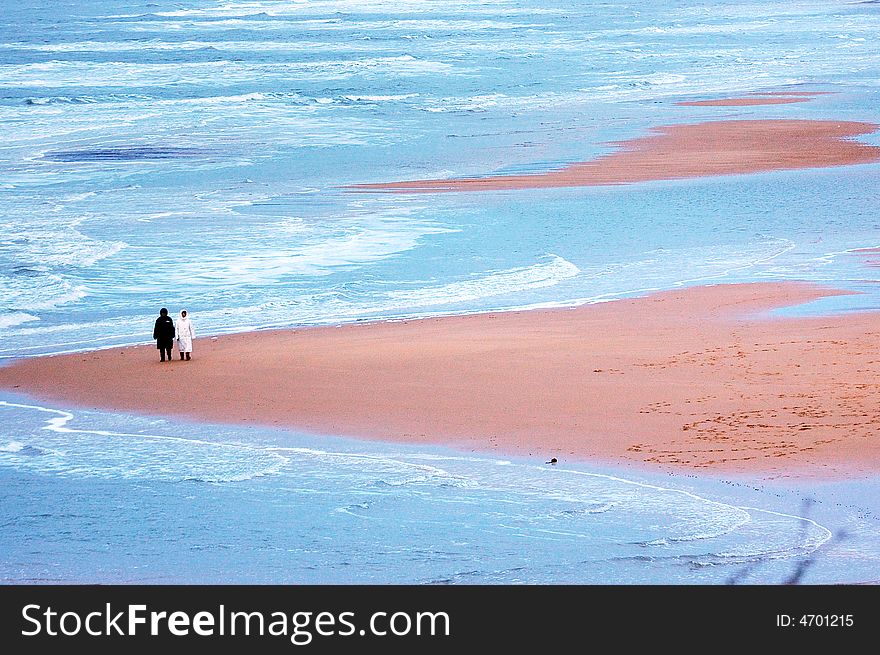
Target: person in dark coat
(163, 333)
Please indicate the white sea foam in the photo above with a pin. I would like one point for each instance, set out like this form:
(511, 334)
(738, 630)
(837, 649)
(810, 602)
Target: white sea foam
(240, 126)
(356, 98)
(701, 28)
(39, 291)
(70, 74)
(370, 469)
(112, 454)
(52, 242)
(329, 7)
(361, 243)
(161, 215)
(79, 197)
(544, 274)
(148, 45)
(808, 537)
(11, 319)
(347, 304)
(709, 519)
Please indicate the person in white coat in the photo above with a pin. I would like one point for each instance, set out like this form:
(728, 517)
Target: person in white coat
(185, 335)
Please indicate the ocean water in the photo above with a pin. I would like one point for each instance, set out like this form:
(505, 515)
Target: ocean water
(196, 154)
(98, 497)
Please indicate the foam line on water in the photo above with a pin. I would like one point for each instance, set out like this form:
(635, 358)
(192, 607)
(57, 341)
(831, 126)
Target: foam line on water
(59, 424)
(707, 519)
(744, 512)
(342, 457)
(827, 534)
(745, 516)
(14, 318)
(71, 74)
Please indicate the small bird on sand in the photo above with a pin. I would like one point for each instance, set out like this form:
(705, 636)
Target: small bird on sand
(552, 461)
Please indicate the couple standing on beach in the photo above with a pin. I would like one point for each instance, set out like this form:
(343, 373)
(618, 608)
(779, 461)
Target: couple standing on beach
(165, 331)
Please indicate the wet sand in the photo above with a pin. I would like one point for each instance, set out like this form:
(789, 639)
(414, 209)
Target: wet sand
(757, 98)
(694, 379)
(743, 102)
(724, 147)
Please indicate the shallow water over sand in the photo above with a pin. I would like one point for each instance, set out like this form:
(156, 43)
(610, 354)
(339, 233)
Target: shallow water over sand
(92, 497)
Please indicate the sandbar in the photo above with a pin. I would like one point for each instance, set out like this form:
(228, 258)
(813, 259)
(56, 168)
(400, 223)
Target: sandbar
(699, 378)
(690, 150)
(743, 102)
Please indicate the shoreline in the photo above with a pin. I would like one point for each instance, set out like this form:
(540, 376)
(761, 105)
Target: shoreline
(698, 379)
